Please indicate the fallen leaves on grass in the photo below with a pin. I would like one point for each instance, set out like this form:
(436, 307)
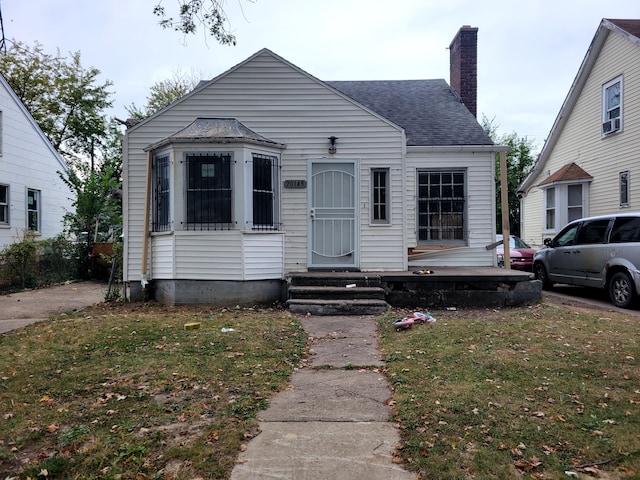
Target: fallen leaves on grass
(528, 464)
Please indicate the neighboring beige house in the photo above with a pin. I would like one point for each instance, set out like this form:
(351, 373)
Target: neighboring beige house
(32, 194)
(590, 163)
(266, 170)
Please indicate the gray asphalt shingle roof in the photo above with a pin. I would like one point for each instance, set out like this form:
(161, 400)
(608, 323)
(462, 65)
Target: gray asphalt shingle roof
(428, 110)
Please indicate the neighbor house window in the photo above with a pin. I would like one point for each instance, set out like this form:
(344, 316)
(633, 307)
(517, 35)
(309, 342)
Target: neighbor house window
(612, 106)
(564, 203)
(33, 210)
(550, 208)
(574, 202)
(380, 196)
(441, 206)
(162, 194)
(208, 191)
(624, 188)
(265, 181)
(4, 204)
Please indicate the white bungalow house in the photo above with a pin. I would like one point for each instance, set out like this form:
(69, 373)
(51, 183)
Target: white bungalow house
(32, 195)
(592, 155)
(266, 170)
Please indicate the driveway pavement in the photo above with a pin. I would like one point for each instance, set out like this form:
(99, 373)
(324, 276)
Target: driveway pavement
(23, 308)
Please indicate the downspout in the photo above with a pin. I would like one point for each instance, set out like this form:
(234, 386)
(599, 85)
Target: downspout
(145, 230)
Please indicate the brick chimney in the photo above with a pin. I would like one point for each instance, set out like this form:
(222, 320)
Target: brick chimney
(463, 61)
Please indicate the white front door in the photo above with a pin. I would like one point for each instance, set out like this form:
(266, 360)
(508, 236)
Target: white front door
(333, 222)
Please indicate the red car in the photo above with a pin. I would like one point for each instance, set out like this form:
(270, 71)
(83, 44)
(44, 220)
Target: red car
(520, 253)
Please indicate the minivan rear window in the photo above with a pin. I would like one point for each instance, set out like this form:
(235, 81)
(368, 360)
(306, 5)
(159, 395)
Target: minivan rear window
(593, 232)
(625, 229)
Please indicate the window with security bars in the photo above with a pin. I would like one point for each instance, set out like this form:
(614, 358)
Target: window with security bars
(265, 181)
(441, 206)
(208, 191)
(162, 194)
(380, 195)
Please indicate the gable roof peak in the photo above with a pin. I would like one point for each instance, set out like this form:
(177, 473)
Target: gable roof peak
(630, 26)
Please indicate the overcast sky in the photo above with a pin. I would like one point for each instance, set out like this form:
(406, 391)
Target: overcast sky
(529, 51)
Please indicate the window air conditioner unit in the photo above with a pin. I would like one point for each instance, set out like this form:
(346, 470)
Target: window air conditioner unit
(611, 126)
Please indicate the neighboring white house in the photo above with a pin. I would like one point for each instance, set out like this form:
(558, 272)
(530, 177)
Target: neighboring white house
(590, 163)
(32, 195)
(266, 170)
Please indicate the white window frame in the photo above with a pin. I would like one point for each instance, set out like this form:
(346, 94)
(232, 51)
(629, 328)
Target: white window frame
(162, 190)
(191, 221)
(36, 194)
(561, 207)
(612, 121)
(550, 209)
(379, 206)
(271, 192)
(624, 188)
(4, 206)
(426, 221)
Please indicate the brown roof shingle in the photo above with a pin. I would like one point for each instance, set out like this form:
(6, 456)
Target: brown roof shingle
(628, 25)
(569, 172)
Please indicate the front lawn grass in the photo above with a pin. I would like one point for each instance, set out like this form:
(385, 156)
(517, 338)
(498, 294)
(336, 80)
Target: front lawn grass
(544, 391)
(126, 392)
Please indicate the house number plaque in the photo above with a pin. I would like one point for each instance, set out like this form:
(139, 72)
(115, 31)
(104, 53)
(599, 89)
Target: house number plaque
(295, 184)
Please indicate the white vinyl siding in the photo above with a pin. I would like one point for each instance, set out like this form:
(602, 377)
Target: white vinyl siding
(285, 105)
(581, 141)
(29, 162)
(480, 213)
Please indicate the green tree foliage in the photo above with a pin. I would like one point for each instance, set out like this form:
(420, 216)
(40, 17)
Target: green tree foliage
(97, 215)
(520, 161)
(165, 92)
(66, 99)
(69, 102)
(192, 13)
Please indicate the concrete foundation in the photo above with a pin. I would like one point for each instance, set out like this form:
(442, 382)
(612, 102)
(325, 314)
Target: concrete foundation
(209, 292)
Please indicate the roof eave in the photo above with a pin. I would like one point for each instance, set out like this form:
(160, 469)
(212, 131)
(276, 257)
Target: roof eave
(213, 141)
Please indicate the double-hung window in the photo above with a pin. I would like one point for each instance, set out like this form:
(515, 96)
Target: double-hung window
(380, 196)
(265, 181)
(208, 191)
(550, 208)
(442, 206)
(624, 189)
(33, 210)
(612, 106)
(564, 203)
(4, 204)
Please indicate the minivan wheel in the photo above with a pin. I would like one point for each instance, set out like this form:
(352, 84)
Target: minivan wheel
(541, 274)
(621, 290)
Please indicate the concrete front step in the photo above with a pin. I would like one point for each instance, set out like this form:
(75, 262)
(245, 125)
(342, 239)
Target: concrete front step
(335, 279)
(338, 307)
(335, 293)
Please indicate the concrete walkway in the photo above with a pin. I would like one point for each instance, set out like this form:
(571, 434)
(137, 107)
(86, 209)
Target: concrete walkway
(331, 423)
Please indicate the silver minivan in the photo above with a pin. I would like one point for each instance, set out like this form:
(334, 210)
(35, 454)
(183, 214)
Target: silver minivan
(601, 252)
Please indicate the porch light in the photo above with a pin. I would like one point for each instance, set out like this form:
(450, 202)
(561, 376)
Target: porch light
(332, 144)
